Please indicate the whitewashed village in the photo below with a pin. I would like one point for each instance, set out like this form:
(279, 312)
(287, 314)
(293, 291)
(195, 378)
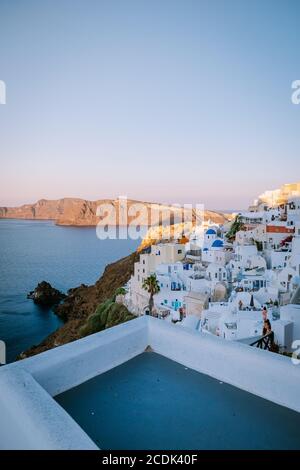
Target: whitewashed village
(239, 281)
(224, 304)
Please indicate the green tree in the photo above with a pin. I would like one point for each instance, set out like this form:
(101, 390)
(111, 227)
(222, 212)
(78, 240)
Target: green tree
(151, 285)
(119, 291)
(236, 226)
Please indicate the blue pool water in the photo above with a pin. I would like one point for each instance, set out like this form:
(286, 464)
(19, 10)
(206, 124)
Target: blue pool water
(151, 402)
(32, 251)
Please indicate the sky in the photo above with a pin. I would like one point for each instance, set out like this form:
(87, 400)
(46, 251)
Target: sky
(178, 101)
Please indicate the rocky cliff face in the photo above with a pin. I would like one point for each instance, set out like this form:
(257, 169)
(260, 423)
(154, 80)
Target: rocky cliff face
(83, 301)
(67, 211)
(80, 212)
(179, 231)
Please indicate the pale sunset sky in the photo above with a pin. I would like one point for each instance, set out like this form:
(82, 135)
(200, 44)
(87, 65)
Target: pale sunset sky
(180, 101)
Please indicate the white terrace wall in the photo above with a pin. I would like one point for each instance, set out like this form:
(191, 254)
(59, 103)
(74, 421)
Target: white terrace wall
(67, 366)
(29, 417)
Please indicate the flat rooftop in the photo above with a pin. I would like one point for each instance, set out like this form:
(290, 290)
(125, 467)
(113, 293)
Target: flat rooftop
(151, 402)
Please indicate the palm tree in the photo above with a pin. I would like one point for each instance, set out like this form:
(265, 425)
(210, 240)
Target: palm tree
(151, 285)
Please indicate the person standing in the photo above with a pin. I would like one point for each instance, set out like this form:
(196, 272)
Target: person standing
(267, 327)
(265, 313)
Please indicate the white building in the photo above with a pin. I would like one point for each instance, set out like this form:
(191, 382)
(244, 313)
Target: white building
(277, 259)
(216, 273)
(172, 286)
(291, 313)
(209, 237)
(228, 321)
(276, 234)
(168, 253)
(246, 257)
(293, 211)
(295, 250)
(225, 320)
(252, 280)
(195, 302)
(252, 218)
(211, 253)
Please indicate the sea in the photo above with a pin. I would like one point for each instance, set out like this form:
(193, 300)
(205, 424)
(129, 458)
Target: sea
(33, 251)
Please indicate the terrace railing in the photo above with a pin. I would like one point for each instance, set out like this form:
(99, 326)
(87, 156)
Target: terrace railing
(265, 342)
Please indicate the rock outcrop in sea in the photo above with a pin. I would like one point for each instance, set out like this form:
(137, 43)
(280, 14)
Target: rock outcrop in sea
(46, 295)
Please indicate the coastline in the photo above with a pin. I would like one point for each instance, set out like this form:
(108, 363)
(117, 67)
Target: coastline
(33, 251)
(81, 302)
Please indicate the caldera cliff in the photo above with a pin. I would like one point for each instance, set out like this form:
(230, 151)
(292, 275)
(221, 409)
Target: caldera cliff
(81, 212)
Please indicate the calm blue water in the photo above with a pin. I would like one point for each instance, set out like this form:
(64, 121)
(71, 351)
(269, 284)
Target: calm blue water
(32, 251)
(151, 402)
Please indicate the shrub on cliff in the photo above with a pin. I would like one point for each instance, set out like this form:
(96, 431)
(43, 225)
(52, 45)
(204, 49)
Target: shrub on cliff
(107, 314)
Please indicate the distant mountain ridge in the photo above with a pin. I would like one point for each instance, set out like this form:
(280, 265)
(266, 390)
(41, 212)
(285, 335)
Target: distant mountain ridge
(81, 212)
